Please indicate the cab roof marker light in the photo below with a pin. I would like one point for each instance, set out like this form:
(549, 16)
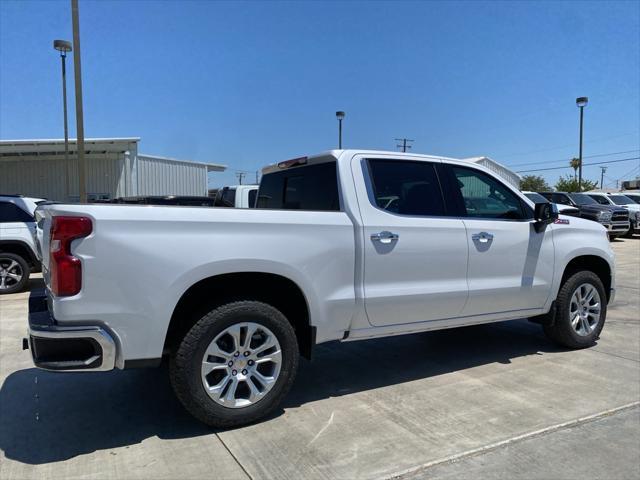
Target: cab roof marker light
(293, 162)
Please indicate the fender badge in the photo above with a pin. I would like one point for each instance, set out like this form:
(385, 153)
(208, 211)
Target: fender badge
(561, 221)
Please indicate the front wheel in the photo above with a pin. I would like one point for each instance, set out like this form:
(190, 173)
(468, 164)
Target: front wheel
(236, 364)
(580, 313)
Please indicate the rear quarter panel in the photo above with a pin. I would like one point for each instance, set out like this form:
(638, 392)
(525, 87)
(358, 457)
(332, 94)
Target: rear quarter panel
(140, 260)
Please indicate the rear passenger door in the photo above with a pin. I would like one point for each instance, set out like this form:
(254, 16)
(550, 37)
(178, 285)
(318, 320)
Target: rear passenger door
(415, 253)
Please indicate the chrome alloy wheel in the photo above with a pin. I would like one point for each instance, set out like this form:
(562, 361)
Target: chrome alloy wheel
(584, 309)
(241, 365)
(10, 273)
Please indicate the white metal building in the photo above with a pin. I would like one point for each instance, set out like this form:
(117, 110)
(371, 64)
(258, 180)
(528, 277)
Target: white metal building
(507, 174)
(37, 168)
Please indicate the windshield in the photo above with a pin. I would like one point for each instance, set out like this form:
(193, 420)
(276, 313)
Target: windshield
(535, 197)
(582, 199)
(621, 199)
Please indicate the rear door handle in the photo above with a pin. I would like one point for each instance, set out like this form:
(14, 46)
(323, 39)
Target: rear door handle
(482, 237)
(385, 237)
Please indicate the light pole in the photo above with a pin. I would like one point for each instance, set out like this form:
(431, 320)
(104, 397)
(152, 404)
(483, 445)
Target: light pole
(75, 23)
(64, 47)
(340, 117)
(581, 102)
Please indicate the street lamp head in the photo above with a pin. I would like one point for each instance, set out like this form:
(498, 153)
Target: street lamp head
(62, 46)
(339, 115)
(581, 101)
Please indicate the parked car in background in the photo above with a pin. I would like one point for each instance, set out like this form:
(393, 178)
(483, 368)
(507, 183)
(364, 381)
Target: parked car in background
(633, 195)
(237, 196)
(614, 219)
(563, 209)
(327, 255)
(18, 246)
(618, 199)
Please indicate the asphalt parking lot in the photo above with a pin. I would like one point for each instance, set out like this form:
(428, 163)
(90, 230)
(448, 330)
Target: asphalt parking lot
(493, 401)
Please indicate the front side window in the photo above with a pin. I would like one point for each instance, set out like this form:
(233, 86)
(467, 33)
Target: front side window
(486, 197)
(12, 213)
(535, 197)
(600, 199)
(582, 199)
(621, 199)
(406, 187)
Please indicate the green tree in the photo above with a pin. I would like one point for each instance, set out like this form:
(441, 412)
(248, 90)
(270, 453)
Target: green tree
(568, 184)
(534, 183)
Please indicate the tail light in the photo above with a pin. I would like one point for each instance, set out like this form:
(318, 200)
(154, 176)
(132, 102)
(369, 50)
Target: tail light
(65, 269)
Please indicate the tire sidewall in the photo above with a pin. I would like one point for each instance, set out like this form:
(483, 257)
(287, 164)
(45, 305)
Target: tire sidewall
(563, 318)
(25, 273)
(187, 363)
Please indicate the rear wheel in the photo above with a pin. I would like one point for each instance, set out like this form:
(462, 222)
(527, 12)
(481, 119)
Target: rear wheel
(236, 364)
(14, 273)
(580, 313)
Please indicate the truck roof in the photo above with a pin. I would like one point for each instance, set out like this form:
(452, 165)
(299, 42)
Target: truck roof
(337, 155)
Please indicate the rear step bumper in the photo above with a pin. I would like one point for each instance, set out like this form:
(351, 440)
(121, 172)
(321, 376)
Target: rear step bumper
(67, 349)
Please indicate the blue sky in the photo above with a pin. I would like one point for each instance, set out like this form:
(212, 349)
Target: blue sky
(247, 84)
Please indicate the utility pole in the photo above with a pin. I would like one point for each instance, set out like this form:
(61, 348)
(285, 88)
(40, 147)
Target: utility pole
(79, 118)
(257, 177)
(240, 176)
(404, 145)
(602, 170)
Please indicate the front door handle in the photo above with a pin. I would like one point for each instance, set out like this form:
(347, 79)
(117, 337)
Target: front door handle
(482, 237)
(384, 237)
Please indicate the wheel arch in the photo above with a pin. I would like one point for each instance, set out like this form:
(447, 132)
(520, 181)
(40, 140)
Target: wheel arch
(273, 289)
(18, 247)
(592, 263)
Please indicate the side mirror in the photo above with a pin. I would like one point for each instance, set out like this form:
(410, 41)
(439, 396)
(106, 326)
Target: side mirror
(545, 213)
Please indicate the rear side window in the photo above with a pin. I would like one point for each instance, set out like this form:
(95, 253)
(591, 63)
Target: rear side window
(406, 187)
(226, 197)
(600, 199)
(253, 194)
(559, 198)
(486, 197)
(313, 187)
(12, 213)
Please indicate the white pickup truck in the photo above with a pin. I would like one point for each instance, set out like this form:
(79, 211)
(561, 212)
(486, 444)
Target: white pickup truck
(346, 245)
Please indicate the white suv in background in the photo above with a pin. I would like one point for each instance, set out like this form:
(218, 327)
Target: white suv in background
(621, 200)
(18, 251)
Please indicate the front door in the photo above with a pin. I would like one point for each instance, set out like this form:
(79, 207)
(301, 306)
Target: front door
(510, 264)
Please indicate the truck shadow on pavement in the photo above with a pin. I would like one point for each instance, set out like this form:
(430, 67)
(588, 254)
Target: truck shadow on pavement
(47, 417)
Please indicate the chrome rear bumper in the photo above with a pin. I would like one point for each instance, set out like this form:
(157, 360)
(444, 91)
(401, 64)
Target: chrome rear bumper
(65, 348)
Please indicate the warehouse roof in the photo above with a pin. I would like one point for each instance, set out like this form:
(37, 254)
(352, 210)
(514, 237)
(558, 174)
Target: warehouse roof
(11, 149)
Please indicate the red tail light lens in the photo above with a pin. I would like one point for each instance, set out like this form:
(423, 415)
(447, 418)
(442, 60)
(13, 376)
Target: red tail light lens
(65, 269)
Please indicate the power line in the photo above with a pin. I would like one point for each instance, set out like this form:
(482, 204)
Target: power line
(567, 159)
(594, 140)
(584, 165)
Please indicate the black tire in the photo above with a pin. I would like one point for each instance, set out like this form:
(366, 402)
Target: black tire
(561, 331)
(185, 364)
(629, 233)
(5, 260)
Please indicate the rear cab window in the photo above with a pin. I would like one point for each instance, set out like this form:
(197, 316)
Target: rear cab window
(309, 187)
